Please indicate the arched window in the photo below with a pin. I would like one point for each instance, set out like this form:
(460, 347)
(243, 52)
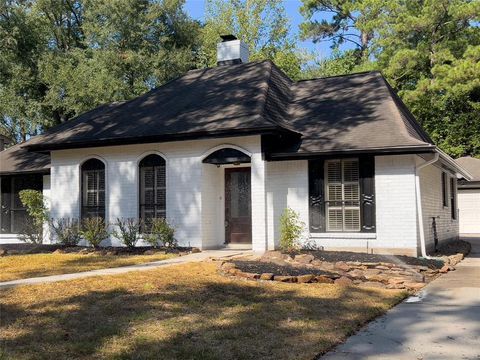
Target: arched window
(93, 189)
(152, 187)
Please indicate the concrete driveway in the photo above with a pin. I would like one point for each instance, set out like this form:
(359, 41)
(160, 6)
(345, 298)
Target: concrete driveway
(443, 324)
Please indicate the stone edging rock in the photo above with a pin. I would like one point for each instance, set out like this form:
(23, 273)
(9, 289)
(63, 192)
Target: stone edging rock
(349, 273)
(413, 280)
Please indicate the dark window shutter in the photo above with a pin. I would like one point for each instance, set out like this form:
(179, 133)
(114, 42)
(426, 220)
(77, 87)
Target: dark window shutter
(367, 189)
(316, 196)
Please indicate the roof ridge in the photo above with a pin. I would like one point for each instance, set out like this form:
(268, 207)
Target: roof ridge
(274, 67)
(401, 108)
(265, 93)
(337, 76)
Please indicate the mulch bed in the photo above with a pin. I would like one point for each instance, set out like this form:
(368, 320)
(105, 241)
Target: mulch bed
(25, 249)
(347, 268)
(334, 256)
(265, 267)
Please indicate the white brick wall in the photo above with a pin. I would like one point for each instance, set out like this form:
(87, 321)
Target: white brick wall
(259, 209)
(213, 230)
(287, 186)
(396, 213)
(184, 170)
(432, 204)
(195, 194)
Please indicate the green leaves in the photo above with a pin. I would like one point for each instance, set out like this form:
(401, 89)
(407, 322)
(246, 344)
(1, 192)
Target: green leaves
(59, 59)
(261, 24)
(291, 230)
(34, 202)
(428, 50)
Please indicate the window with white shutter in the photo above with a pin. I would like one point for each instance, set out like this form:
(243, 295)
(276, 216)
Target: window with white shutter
(342, 185)
(152, 187)
(93, 189)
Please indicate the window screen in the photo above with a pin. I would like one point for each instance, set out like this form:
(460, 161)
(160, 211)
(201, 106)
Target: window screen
(13, 214)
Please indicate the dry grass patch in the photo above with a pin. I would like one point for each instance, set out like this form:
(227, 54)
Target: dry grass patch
(27, 266)
(182, 312)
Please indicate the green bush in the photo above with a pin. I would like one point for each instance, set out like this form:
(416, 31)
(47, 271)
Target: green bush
(67, 231)
(94, 231)
(32, 230)
(291, 229)
(159, 231)
(128, 231)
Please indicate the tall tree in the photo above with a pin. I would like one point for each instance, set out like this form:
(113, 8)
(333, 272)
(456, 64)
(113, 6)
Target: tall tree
(345, 22)
(65, 57)
(430, 54)
(22, 42)
(261, 24)
(428, 51)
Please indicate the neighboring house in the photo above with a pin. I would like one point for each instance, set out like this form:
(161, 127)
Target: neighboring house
(469, 196)
(221, 152)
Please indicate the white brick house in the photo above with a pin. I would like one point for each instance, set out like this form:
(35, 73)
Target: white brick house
(222, 152)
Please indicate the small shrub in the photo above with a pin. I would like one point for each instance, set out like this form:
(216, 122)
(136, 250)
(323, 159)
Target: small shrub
(34, 202)
(128, 231)
(94, 231)
(311, 245)
(31, 232)
(159, 231)
(67, 231)
(291, 229)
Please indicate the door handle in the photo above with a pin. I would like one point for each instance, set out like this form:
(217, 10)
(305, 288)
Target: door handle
(226, 223)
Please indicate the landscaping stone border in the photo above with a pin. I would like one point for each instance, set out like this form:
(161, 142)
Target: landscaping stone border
(305, 268)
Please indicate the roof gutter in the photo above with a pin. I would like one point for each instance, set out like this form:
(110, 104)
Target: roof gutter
(447, 159)
(47, 147)
(418, 196)
(349, 152)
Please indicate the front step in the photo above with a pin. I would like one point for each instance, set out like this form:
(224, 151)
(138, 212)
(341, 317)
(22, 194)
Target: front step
(237, 247)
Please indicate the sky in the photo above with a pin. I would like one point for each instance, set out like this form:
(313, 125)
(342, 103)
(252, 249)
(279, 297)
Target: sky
(196, 9)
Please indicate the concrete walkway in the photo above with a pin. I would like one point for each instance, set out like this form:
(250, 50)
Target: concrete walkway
(202, 256)
(444, 324)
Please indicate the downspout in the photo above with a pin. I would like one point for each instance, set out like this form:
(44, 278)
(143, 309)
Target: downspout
(419, 202)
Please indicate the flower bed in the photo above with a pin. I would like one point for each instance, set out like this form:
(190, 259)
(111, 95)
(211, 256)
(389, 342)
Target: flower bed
(390, 272)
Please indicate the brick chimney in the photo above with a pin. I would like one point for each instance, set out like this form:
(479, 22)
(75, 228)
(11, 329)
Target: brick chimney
(231, 51)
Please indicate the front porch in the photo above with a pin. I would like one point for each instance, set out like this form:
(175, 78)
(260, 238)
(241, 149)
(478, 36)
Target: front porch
(233, 199)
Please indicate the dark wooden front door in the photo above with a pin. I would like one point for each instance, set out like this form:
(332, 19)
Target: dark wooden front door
(238, 210)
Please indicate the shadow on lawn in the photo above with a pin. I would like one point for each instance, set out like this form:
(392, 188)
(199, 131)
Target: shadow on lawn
(204, 320)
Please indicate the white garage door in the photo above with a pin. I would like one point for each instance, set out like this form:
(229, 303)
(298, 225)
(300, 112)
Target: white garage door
(469, 208)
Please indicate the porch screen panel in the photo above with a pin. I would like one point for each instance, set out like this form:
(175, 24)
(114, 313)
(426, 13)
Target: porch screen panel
(152, 188)
(13, 215)
(93, 189)
(342, 195)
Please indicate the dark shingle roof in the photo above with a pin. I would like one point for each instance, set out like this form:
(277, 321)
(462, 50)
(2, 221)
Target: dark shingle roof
(221, 100)
(343, 113)
(16, 159)
(352, 112)
(472, 165)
